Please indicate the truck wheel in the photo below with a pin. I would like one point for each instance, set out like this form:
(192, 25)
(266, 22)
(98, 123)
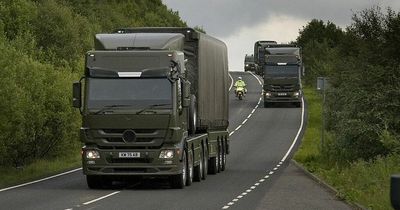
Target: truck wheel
(192, 115)
(220, 162)
(213, 164)
(223, 156)
(205, 163)
(298, 104)
(178, 181)
(94, 182)
(189, 167)
(198, 170)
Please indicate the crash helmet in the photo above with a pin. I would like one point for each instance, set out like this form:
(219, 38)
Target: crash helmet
(240, 78)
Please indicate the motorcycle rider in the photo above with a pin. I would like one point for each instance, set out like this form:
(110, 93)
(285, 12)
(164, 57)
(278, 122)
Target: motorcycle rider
(240, 84)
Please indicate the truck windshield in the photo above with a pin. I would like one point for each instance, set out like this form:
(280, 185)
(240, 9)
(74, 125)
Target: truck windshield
(131, 92)
(287, 70)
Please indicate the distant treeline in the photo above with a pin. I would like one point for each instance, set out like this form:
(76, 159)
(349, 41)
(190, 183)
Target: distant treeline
(42, 46)
(362, 63)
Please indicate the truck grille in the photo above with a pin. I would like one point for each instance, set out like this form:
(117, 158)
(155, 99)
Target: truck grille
(282, 88)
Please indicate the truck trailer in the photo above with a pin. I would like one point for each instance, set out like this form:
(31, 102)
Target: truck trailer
(259, 55)
(282, 74)
(154, 103)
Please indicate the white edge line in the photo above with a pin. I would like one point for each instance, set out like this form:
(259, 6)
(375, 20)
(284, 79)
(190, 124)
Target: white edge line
(40, 180)
(97, 199)
(298, 132)
(255, 77)
(231, 82)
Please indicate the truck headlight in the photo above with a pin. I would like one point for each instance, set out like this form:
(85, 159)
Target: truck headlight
(296, 94)
(268, 94)
(247, 65)
(92, 154)
(167, 154)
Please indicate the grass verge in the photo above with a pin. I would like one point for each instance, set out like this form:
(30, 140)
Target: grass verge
(39, 169)
(366, 183)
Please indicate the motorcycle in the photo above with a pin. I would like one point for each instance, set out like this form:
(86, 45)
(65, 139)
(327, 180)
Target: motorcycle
(239, 92)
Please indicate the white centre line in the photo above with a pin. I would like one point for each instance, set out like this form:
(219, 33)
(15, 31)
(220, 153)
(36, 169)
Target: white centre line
(101, 198)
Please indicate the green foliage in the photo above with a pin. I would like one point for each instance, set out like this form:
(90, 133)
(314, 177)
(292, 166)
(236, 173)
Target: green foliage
(42, 46)
(363, 67)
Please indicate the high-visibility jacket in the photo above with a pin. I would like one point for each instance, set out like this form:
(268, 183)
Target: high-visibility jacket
(240, 83)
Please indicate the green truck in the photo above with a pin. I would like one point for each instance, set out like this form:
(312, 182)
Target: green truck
(259, 55)
(282, 72)
(249, 64)
(154, 103)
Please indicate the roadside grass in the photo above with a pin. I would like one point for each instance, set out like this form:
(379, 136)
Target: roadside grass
(10, 176)
(366, 183)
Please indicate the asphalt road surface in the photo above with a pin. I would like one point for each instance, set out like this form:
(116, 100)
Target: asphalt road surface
(258, 174)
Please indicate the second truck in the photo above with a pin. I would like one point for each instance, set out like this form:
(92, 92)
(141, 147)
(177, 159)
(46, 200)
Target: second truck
(282, 69)
(154, 103)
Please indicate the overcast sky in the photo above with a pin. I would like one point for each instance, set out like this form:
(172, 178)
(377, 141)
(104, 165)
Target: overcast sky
(239, 23)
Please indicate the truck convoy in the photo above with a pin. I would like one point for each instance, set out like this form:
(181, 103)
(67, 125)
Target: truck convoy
(249, 64)
(282, 74)
(154, 103)
(259, 55)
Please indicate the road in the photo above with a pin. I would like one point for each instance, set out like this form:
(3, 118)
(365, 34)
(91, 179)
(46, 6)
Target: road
(258, 174)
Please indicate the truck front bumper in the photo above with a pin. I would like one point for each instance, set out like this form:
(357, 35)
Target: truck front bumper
(147, 164)
(286, 97)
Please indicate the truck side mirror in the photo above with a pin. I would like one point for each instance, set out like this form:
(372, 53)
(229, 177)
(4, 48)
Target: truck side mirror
(395, 191)
(77, 95)
(186, 94)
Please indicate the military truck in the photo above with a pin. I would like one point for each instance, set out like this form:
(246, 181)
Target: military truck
(249, 64)
(259, 55)
(154, 103)
(282, 74)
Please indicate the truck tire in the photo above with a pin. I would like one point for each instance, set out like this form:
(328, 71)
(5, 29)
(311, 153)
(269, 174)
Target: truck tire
(198, 170)
(190, 169)
(213, 164)
(223, 162)
(205, 162)
(220, 154)
(298, 104)
(192, 115)
(94, 182)
(178, 181)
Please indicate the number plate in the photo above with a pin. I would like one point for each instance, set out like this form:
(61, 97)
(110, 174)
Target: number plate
(129, 155)
(282, 94)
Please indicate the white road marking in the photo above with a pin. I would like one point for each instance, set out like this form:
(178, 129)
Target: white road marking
(244, 121)
(256, 184)
(230, 134)
(225, 207)
(240, 196)
(248, 191)
(261, 180)
(253, 111)
(237, 128)
(298, 132)
(266, 177)
(235, 200)
(253, 187)
(250, 114)
(271, 172)
(40, 180)
(101, 198)
(230, 203)
(231, 82)
(256, 78)
(275, 169)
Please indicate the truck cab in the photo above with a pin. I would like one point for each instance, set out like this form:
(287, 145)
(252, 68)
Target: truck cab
(282, 75)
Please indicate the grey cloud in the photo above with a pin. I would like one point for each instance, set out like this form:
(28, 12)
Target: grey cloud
(225, 17)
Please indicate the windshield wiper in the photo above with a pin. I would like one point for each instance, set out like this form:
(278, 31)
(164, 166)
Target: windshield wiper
(150, 107)
(112, 106)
